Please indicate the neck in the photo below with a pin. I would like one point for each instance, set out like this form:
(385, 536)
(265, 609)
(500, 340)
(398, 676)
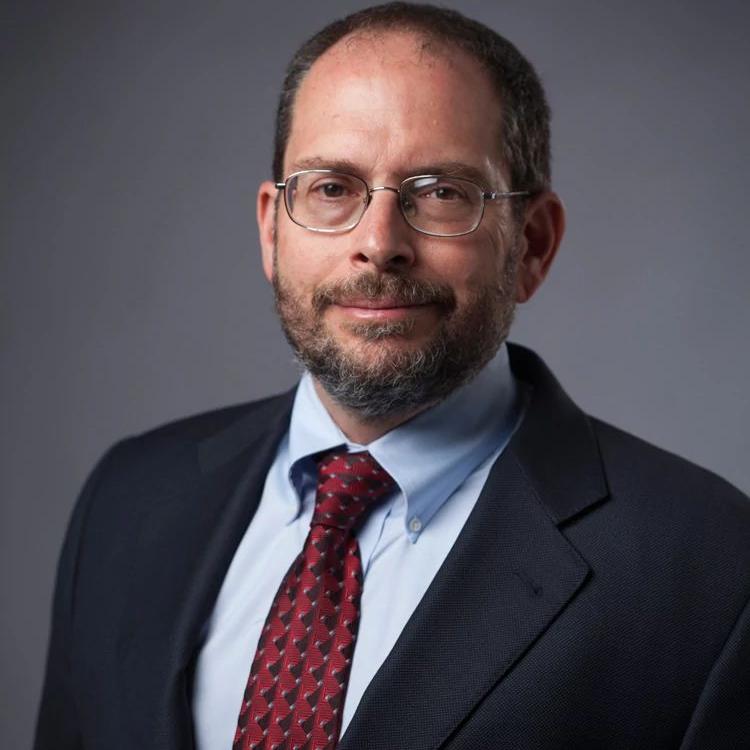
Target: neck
(357, 429)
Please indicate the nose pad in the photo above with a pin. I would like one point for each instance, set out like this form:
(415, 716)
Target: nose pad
(383, 187)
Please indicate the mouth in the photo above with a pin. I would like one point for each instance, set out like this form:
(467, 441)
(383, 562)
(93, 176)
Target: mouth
(380, 309)
(385, 300)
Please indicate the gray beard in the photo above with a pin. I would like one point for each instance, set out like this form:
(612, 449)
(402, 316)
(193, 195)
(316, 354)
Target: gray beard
(397, 381)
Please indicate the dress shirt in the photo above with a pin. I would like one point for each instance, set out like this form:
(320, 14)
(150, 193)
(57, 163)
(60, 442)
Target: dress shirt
(439, 460)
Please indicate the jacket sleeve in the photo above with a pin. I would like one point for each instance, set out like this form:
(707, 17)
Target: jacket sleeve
(721, 719)
(58, 722)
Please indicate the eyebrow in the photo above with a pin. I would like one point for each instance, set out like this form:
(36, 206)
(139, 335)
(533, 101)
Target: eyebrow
(316, 162)
(449, 168)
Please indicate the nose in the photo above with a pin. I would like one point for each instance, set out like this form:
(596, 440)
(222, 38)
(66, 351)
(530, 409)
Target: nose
(383, 238)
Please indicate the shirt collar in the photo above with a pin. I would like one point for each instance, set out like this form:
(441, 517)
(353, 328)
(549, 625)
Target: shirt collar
(429, 456)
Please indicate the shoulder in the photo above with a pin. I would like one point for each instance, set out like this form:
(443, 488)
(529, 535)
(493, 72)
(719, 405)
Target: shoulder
(197, 427)
(674, 498)
(172, 452)
(634, 465)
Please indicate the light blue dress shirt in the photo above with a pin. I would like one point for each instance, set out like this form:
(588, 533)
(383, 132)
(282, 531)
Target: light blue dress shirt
(439, 460)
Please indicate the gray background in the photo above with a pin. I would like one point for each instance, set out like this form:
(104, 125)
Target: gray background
(133, 137)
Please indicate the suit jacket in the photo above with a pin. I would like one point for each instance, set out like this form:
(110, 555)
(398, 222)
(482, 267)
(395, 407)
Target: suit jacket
(597, 596)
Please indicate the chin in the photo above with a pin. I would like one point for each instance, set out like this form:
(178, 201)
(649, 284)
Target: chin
(396, 332)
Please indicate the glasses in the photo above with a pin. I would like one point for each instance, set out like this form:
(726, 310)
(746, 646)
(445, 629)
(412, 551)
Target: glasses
(323, 200)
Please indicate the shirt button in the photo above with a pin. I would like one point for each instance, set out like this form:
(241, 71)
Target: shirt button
(415, 525)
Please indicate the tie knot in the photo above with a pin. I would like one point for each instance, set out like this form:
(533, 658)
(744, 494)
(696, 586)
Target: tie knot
(348, 485)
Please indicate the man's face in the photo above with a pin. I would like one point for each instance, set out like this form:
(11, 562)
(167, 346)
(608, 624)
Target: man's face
(386, 318)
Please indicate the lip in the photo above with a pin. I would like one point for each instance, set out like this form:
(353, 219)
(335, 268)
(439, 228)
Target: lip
(379, 309)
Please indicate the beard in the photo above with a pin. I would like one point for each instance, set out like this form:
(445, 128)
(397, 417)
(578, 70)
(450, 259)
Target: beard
(383, 376)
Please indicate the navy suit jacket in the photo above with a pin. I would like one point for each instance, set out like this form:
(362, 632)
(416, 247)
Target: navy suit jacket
(597, 596)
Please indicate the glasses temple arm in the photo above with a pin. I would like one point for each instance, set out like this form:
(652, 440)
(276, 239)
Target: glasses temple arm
(506, 194)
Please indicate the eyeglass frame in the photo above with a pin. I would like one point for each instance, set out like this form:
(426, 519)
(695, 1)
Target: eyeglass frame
(486, 195)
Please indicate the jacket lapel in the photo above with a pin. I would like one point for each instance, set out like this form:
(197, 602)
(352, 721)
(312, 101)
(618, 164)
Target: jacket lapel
(502, 585)
(177, 584)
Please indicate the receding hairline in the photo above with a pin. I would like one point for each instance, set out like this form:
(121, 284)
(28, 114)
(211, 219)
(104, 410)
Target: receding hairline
(428, 42)
(429, 45)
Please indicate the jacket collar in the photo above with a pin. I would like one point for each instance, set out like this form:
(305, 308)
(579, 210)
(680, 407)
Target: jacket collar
(555, 445)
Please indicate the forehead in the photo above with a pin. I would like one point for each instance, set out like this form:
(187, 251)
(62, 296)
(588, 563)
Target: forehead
(393, 101)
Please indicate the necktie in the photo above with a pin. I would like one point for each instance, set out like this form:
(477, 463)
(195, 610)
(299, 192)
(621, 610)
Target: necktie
(297, 684)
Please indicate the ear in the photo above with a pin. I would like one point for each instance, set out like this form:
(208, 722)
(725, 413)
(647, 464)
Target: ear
(266, 213)
(542, 232)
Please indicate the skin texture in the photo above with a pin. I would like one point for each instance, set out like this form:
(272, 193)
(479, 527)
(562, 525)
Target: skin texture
(389, 107)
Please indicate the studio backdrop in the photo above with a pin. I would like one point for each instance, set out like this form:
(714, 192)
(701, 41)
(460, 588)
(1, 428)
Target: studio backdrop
(134, 135)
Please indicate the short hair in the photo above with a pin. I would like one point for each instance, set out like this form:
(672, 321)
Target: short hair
(525, 146)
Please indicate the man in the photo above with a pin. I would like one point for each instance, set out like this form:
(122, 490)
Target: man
(427, 544)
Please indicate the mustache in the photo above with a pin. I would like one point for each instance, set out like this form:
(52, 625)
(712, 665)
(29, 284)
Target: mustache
(373, 286)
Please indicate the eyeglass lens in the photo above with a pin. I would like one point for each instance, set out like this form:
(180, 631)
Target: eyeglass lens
(330, 201)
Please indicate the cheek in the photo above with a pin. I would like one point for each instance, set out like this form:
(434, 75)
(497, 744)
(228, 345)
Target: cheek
(303, 259)
(469, 265)
(496, 244)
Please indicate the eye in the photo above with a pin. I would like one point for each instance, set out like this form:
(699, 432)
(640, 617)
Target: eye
(332, 190)
(446, 193)
(439, 189)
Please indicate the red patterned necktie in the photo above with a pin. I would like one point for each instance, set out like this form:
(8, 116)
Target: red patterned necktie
(295, 693)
